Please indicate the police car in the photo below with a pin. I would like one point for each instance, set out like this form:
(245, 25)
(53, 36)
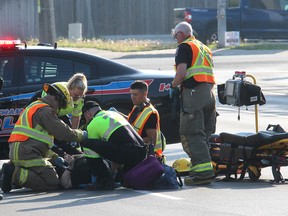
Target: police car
(24, 69)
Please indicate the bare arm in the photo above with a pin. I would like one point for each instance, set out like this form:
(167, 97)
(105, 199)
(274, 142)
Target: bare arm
(151, 136)
(75, 122)
(180, 74)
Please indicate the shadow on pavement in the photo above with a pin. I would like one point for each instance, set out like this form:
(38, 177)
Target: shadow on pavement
(65, 198)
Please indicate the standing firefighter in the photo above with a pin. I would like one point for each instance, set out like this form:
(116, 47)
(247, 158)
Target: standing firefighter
(194, 75)
(32, 139)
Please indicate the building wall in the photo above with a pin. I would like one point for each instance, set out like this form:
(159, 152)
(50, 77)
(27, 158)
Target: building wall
(18, 19)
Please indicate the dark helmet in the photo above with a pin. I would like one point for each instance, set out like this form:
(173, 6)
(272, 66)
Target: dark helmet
(88, 105)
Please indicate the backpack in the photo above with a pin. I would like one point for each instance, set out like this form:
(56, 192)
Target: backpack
(170, 179)
(143, 175)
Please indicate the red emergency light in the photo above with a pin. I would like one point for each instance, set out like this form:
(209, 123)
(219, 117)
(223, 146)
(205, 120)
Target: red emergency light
(9, 44)
(188, 16)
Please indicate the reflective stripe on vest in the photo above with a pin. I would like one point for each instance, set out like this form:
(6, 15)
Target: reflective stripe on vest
(102, 126)
(140, 122)
(90, 153)
(201, 63)
(202, 167)
(23, 128)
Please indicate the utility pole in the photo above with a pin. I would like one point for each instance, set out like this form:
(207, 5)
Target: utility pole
(221, 18)
(47, 30)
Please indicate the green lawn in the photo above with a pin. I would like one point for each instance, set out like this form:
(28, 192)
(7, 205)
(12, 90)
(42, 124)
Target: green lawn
(133, 45)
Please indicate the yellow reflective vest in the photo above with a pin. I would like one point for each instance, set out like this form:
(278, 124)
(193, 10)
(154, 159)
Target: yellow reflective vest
(23, 129)
(140, 122)
(201, 62)
(102, 126)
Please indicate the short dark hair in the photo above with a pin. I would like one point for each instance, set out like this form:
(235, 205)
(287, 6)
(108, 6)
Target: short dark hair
(139, 84)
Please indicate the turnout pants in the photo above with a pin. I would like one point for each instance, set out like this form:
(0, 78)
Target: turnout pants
(31, 169)
(197, 123)
(36, 178)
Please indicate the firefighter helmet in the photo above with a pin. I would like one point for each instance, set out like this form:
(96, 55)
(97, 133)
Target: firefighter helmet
(59, 90)
(182, 165)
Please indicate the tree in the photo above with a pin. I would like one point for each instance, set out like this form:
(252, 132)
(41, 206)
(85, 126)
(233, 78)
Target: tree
(47, 31)
(221, 17)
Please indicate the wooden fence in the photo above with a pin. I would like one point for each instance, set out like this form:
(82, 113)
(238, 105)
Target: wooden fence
(20, 18)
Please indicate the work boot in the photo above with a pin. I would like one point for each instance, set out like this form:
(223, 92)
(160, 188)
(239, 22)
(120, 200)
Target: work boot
(7, 173)
(192, 180)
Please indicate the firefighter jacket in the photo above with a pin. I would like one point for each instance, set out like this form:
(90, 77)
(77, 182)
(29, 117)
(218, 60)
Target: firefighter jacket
(140, 122)
(23, 129)
(102, 127)
(202, 63)
(36, 128)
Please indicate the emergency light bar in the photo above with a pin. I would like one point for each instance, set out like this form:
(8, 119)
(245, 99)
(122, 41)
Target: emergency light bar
(9, 44)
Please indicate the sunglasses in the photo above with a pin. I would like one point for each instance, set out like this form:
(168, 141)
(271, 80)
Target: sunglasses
(176, 35)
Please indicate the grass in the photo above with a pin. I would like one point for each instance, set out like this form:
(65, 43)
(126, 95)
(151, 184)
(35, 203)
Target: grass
(262, 45)
(127, 45)
(133, 45)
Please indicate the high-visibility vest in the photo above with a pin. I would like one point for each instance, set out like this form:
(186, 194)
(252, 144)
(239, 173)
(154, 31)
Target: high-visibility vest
(102, 126)
(23, 129)
(140, 122)
(201, 64)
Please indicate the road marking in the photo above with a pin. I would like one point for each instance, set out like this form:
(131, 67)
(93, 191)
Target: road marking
(273, 93)
(158, 195)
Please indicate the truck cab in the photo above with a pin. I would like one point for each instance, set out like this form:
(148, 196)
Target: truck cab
(254, 19)
(264, 19)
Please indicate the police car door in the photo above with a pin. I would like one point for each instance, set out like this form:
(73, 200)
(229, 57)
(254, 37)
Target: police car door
(9, 110)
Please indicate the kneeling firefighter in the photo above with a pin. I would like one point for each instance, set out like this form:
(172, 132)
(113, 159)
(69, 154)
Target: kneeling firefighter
(31, 140)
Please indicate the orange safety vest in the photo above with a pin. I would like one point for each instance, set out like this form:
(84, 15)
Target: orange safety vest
(141, 120)
(201, 64)
(23, 129)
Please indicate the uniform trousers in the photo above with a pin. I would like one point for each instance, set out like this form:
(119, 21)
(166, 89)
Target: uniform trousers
(197, 123)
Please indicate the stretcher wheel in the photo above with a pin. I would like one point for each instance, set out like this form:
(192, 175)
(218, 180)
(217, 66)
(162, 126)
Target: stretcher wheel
(277, 174)
(254, 173)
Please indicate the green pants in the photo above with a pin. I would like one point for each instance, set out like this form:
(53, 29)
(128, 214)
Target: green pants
(197, 123)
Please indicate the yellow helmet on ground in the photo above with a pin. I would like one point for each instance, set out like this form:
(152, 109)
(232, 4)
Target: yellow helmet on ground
(182, 166)
(59, 90)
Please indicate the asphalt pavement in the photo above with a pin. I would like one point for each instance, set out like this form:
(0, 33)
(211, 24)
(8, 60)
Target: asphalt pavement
(220, 198)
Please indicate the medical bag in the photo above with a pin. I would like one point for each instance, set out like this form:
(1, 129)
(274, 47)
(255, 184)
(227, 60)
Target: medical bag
(239, 92)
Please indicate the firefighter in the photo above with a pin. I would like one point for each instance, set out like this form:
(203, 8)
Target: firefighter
(145, 118)
(113, 138)
(31, 159)
(194, 75)
(77, 86)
